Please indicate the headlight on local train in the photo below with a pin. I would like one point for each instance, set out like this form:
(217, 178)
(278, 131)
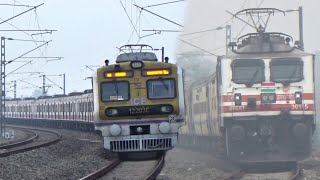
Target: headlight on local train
(136, 64)
(164, 127)
(115, 130)
(166, 109)
(298, 97)
(111, 112)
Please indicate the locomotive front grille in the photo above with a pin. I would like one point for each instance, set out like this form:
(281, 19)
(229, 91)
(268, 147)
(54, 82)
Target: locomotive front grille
(141, 144)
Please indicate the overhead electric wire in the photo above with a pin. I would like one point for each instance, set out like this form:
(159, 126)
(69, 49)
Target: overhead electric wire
(199, 48)
(158, 15)
(29, 83)
(171, 2)
(20, 14)
(129, 18)
(15, 5)
(53, 82)
(28, 52)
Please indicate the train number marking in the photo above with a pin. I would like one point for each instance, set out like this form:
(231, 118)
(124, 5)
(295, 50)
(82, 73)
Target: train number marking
(299, 106)
(138, 101)
(139, 110)
(237, 108)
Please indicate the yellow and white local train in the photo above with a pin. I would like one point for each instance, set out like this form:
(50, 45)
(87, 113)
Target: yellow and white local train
(139, 102)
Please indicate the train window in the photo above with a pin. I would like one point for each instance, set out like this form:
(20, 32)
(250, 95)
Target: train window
(115, 91)
(248, 71)
(161, 89)
(286, 70)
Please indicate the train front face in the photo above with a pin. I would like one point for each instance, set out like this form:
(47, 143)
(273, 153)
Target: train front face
(140, 106)
(268, 107)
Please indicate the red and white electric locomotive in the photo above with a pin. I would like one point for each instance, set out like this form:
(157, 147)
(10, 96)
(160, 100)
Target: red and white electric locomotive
(260, 100)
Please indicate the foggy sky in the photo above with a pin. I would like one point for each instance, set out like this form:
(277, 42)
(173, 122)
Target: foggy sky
(209, 14)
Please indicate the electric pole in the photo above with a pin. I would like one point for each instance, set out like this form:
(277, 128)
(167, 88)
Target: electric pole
(14, 89)
(3, 85)
(228, 38)
(301, 44)
(64, 83)
(44, 85)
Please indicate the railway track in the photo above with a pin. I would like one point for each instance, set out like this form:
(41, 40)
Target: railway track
(111, 166)
(294, 174)
(39, 138)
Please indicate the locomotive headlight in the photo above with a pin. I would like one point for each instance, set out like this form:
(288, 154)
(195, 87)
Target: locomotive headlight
(111, 112)
(136, 64)
(298, 97)
(164, 127)
(268, 97)
(237, 99)
(264, 97)
(115, 130)
(166, 109)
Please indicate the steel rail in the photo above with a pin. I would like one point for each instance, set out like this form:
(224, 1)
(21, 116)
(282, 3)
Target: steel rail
(22, 142)
(28, 148)
(156, 171)
(296, 173)
(235, 175)
(103, 171)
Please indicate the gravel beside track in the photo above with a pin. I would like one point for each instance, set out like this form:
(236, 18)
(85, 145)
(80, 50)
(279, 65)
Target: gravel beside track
(183, 164)
(131, 170)
(77, 154)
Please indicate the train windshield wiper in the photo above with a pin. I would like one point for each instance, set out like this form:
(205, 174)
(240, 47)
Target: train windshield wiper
(164, 84)
(253, 78)
(286, 83)
(115, 84)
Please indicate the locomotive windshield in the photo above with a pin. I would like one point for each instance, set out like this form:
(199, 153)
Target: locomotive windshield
(161, 89)
(286, 70)
(248, 71)
(115, 91)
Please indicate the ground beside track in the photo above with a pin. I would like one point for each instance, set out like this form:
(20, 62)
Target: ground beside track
(76, 155)
(191, 165)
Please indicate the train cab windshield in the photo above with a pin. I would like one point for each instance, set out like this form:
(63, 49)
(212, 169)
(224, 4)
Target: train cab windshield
(161, 89)
(286, 70)
(248, 71)
(115, 91)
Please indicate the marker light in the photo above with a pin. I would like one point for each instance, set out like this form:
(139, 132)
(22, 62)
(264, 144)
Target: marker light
(121, 74)
(159, 72)
(111, 112)
(136, 64)
(237, 100)
(298, 97)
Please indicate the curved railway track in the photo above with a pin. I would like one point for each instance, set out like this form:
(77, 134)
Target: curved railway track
(294, 174)
(40, 138)
(111, 166)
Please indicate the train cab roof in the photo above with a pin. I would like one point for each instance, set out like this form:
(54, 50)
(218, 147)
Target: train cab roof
(266, 44)
(29, 98)
(137, 52)
(44, 97)
(59, 95)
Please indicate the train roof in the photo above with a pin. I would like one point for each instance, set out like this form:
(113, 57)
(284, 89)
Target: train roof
(75, 93)
(265, 45)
